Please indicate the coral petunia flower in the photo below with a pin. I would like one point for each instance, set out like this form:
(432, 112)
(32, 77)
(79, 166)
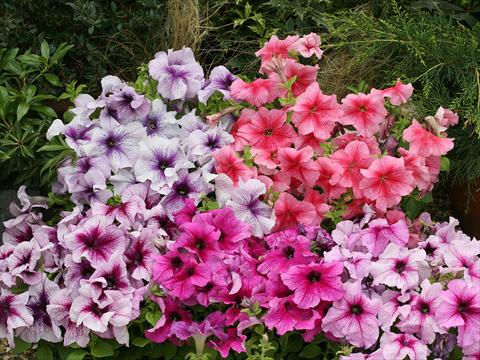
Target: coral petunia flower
(289, 212)
(227, 162)
(364, 112)
(399, 93)
(386, 181)
(257, 92)
(316, 113)
(299, 164)
(268, 130)
(277, 47)
(424, 143)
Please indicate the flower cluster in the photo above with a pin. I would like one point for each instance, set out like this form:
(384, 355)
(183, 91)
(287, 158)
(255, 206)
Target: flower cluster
(204, 200)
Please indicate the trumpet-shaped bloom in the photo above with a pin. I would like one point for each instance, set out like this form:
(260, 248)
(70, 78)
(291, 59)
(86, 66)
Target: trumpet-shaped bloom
(399, 93)
(160, 122)
(228, 163)
(128, 105)
(380, 233)
(424, 143)
(276, 47)
(399, 346)
(354, 317)
(364, 112)
(289, 212)
(314, 283)
(386, 181)
(316, 113)
(258, 92)
(220, 80)
(299, 164)
(309, 45)
(13, 314)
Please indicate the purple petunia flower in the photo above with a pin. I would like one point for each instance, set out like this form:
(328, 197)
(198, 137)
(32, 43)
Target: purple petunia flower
(139, 255)
(160, 121)
(248, 208)
(220, 80)
(95, 240)
(119, 143)
(188, 185)
(179, 75)
(160, 160)
(43, 328)
(128, 105)
(13, 314)
(202, 144)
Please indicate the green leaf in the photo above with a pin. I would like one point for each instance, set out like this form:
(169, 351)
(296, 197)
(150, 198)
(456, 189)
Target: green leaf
(153, 316)
(140, 342)
(62, 49)
(102, 349)
(45, 50)
(445, 164)
(169, 350)
(3, 102)
(20, 346)
(52, 79)
(44, 352)
(78, 354)
(22, 110)
(45, 110)
(310, 351)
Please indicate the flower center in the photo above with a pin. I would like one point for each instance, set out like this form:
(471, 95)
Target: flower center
(152, 125)
(200, 244)
(111, 143)
(314, 276)
(356, 309)
(175, 316)
(400, 266)
(268, 132)
(176, 262)
(363, 108)
(287, 305)
(183, 190)
(463, 306)
(289, 252)
(424, 308)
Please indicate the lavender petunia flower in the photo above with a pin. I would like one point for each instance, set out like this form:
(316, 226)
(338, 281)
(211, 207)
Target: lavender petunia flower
(17, 230)
(119, 143)
(128, 104)
(202, 144)
(27, 202)
(85, 105)
(77, 133)
(161, 122)
(179, 75)
(23, 261)
(248, 208)
(110, 84)
(58, 309)
(189, 123)
(220, 80)
(77, 271)
(13, 314)
(95, 240)
(188, 185)
(160, 160)
(43, 328)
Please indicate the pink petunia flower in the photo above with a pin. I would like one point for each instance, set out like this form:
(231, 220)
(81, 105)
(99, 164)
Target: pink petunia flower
(327, 169)
(399, 346)
(199, 238)
(268, 130)
(309, 45)
(314, 283)
(299, 164)
(290, 212)
(13, 314)
(353, 158)
(227, 162)
(386, 181)
(395, 305)
(305, 75)
(258, 92)
(354, 317)
(399, 93)
(380, 233)
(420, 172)
(446, 117)
(422, 318)
(285, 315)
(460, 307)
(424, 143)
(364, 112)
(316, 113)
(276, 47)
(400, 267)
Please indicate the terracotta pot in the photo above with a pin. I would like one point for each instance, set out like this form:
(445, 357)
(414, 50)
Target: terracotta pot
(459, 196)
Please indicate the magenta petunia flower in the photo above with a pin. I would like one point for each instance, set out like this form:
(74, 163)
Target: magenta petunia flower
(139, 255)
(95, 240)
(460, 307)
(314, 283)
(13, 314)
(183, 283)
(199, 238)
(354, 317)
(285, 315)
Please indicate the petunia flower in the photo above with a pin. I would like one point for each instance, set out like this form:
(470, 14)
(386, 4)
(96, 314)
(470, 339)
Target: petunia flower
(22, 263)
(299, 164)
(258, 92)
(315, 112)
(139, 255)
(424, 143)
(313, 283)
(43, 328)
(14, 314)
(400, 267)
(159, 161)
(220, 80)
(179, 76)
(184, 282)
(160, 122)
(202, 144)
(95, 240)
(460, 307)
(276, 47)
(227, 162)
(354, 317)
(364, 112)
(309, 45)
(422, 318)
(399, 93)
(200, 238)
(399, 346)
(380, 233)
(386, 181)
(128, 105)
(249, 208)
(284, 315)
(290, 212)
